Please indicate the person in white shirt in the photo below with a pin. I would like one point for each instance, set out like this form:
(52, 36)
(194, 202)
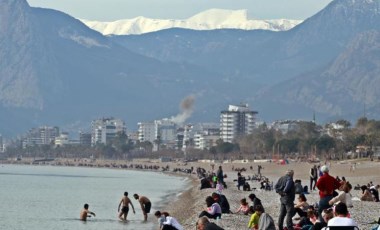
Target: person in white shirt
(343, 196)
(167, 222)
(341, 218)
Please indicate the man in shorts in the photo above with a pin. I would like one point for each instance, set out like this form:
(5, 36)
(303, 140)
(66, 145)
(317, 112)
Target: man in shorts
(145, 205)
(124, 204)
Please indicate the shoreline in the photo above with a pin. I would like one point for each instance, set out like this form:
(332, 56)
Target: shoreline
(186, 206)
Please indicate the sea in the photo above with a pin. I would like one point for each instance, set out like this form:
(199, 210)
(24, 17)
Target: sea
(51, 197)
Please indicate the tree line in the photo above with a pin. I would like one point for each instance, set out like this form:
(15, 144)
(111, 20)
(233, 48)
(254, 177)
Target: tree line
(307, 140)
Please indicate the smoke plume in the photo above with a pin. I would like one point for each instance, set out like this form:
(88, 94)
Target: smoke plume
(186, 107)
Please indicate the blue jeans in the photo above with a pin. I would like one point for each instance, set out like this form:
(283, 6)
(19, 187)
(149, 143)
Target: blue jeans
(323, 204)
(286, 209)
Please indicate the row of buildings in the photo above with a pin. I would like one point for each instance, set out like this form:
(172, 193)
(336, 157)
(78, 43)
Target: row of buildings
(236, 121)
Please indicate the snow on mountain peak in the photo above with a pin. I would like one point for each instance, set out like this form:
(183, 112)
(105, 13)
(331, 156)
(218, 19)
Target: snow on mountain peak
(207, 20)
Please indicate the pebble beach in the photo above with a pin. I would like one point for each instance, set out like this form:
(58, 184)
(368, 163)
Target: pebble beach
(192, 201)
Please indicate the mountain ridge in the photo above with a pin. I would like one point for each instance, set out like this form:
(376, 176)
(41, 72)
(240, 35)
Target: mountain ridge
(207, 20)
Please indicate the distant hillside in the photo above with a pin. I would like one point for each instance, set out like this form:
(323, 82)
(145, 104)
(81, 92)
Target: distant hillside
(271, 58)
(208, 20)
(57, 71)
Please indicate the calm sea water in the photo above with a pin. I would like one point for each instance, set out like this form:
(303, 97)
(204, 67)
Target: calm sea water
(47, 197)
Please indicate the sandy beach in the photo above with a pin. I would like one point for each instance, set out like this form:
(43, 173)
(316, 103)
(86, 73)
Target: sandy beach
(187, 205)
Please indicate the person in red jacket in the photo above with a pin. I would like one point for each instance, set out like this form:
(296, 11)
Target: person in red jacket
(326, 185)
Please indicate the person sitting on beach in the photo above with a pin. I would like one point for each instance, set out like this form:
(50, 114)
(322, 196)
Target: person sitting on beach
(86, 213)
(255, 200)
(167, 222)
(375, 192)
(343, 196)
(145, 205)
(254, 220)
(125, 202)
(327, 215)
(213, 209)
(310, 219)
(244, 207)
(298, 186)
(222, 201)
(204, 223)
(301, 207)
(366, 194)
(160, 219)
(205, 183)
(341, 218)
(266, 222)
(246, 187)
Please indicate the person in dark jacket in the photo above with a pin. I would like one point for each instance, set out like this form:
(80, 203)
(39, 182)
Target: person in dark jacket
(240, 181)
(255, 201)
(222, 201)
(286, 189)
(203, 223)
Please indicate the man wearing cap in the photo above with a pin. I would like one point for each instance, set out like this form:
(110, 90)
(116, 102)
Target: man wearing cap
(286, 189)
(326, 185)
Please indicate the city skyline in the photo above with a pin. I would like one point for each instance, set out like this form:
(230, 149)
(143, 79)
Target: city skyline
(179, 9)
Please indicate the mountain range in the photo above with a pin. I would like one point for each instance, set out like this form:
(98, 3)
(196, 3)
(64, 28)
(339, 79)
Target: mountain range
(57, 71)
(208, 20)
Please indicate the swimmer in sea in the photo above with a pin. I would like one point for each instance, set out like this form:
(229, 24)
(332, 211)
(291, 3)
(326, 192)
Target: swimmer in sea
(85, 213)
(145, 205)
(124, 204)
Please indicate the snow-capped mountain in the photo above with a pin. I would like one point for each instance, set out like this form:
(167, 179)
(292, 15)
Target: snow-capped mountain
(207, 20)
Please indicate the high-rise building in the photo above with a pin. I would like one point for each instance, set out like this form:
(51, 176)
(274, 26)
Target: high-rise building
(158, 132)
(147, 131)
(236, 121)
(85, 139)
(201, 135)
(44, 135)
(106, 129)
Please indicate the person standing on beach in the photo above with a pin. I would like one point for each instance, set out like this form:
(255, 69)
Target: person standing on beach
(313, 177)
(124, 203)
(86, 213)
(326, 185)
(220, 176)
(286, 189)
(145, 205)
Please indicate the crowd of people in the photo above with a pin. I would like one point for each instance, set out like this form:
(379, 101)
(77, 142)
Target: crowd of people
(295, 213)
(332, 209)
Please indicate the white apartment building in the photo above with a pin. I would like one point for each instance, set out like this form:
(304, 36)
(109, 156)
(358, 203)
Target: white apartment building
(105, 129)
(286, 126)
(62, 139)
(203, 135)
(147, 131)
(204, 141)
(164, 131)
(236, 121)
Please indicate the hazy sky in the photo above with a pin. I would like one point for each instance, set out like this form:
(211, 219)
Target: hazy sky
(109, 10)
